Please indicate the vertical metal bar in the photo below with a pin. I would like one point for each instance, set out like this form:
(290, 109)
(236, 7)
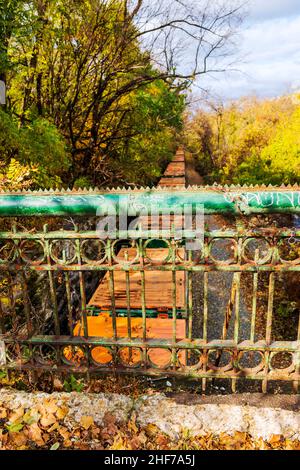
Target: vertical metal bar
(129, 333)
(270, 308)
(26, 304)
(52, 288)
(205, 306)
(143, 300)
(128, 299)
(190, 304)
(112, 291)
(269, 328)
(205, 322)
(68, 295)
(69, 302)
(174, 318)
(237, 281)
(82, 291)
(254, 300)
(174, 295)
(128, 305)
(189, 299)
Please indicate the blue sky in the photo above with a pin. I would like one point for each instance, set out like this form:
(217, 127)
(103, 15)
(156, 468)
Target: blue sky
(269, 52)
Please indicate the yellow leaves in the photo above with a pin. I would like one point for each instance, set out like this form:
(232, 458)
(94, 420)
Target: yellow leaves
(43, 426)
(53, 427)
(32, 416)
(119, 444)
(62, 412)
(86, 422)
(47, 420)
(35, 434)
(275, 438)
(63, 431)
(3, 413)
(19, 439)
(151, 430)
(132, 425)
(16, 416)
(50, 406)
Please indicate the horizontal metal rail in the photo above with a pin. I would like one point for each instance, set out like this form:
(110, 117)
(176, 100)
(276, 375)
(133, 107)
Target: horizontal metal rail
(215, 200)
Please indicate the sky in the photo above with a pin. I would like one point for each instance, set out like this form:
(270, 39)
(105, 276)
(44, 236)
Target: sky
(269, 48)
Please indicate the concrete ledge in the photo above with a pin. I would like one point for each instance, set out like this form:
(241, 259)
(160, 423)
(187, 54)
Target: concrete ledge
(197, 415)
(201, 419)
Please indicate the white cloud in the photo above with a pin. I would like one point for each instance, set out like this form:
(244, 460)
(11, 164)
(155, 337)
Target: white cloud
(271, 64)
(266, 9)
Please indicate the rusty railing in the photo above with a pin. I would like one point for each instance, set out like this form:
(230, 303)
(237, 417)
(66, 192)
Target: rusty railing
(49, 274)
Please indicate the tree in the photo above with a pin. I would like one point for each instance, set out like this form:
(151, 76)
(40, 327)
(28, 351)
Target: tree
(247, 141)
(81, 65)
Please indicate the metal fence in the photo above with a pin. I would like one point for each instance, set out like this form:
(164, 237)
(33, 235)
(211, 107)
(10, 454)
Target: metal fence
(61, 259)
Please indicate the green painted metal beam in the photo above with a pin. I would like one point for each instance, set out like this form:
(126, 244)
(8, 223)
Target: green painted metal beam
(91, 203)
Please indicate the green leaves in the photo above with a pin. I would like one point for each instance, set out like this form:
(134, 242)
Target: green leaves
(14, 427)
(31, 156)
(73, 385)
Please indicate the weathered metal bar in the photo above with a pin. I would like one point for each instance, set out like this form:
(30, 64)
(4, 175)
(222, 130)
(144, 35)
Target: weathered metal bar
(148, 234)
(276, 346)
(52, 290)
(26, 304)
(174, 316)
(128, 304)
(180, 267)
(213, 200)
(82, 291)
(254, 299)
(112, 292)
(205, 306)
(69, 301)
(269, 329)
(155, 372)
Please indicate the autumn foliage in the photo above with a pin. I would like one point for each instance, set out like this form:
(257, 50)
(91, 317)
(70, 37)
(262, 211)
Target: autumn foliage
(249, 141)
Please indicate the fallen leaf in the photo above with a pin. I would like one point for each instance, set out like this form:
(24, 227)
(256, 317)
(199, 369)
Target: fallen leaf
(65, 434)
(35, 434)
(132, 425)
(151, 430)
(16, 416)
(54, 427)
(275, 438)
(162, 441)
(86, 422)
(55, 446)
(3, 413)
(62, 412)
(50, 406)
(14, 427)
(18, 438)
(47, 420)
(109, 419)
(31, 416)
(58, 385)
